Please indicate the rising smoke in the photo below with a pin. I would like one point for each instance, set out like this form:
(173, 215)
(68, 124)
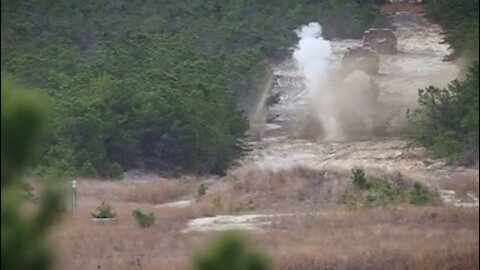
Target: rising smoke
(339, 108)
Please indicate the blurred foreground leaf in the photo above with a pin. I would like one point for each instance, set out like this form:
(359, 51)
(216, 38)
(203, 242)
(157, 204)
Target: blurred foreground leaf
(231, 252)
(24, 245)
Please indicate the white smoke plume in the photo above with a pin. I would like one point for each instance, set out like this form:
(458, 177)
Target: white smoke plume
(345, 103)
(312, 56)
(341, 109)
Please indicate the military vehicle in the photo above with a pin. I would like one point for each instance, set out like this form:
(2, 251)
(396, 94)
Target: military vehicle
(361, 58)
(381, 40)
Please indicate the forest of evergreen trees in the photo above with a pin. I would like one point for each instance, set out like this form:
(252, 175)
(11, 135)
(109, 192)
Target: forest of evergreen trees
(156, 85)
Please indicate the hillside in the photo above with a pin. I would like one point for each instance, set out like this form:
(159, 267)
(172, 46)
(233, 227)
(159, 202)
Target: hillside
(155, 85)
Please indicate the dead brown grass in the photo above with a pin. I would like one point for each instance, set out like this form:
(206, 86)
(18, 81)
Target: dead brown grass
(398, 238)
(463, 186)
(84, 244)
(152, 190)
(290, 189)
(410, 238)
(275, 190)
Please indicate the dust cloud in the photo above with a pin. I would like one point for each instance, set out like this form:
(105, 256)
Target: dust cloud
(340, 107)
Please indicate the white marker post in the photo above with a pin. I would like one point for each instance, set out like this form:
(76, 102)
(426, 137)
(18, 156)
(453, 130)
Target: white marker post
(74, 198)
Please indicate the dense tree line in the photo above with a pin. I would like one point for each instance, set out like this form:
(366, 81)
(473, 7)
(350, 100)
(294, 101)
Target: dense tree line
(459, 19)
(447, 120)
(156, 84)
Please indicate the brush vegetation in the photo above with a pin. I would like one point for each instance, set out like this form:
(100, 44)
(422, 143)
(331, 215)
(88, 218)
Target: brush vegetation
(459, 19)
(383, 193)
(447, 119)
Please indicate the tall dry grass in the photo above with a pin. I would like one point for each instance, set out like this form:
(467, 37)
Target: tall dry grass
(274, 190)
(294, 188)
(402, 237)
(152, 190)
(463, 186)
(407, 238)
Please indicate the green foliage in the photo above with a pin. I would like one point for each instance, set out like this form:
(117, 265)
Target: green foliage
(88, 170)
(143, 220)
(104, 210)
(460, 21)
(177, 172)
(383, 193)
(231, 252)
(447, 119)
(358, 178)
(156, 85)
(201, 191)
(419, 195)
(115, 170)
(24, 244)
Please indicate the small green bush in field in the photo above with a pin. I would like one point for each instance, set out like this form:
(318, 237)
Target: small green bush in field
(419, 195)
(201, 191)
(143, 220)
(105, 210)
(115, 171)
(358, 177)
(88, 170)
(383, 193)
(231, 252)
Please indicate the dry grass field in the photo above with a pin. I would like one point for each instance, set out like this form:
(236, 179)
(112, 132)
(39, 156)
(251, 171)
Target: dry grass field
(323, 234)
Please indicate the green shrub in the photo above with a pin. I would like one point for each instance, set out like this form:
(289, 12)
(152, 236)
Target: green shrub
(358, 178)
(201, 191)
(88, 170)
(104, 210)
(115, 171)
(383, 193)
(230, 252)
(419, 195)
(447, 119)
(459, 19)
(143, 220)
